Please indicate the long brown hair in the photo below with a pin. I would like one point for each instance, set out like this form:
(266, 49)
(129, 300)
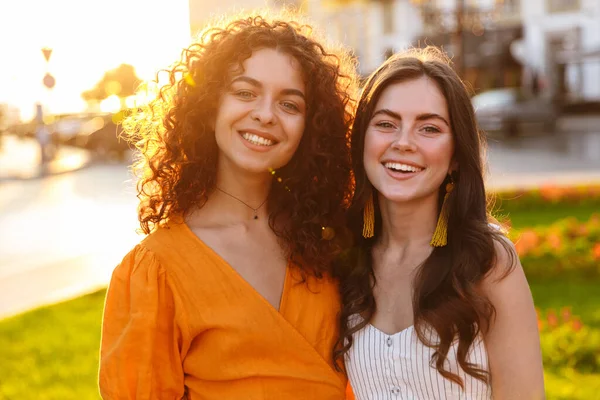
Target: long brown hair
(446, 296)
(178, 151)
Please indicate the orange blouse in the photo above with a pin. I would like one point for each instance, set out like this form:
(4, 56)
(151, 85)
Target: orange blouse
(179, 322)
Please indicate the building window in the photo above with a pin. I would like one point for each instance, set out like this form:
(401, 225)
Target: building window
(388, 16)
(557, 6)
(511, 6)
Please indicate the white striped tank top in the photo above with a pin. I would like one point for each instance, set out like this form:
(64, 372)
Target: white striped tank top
(398, 366)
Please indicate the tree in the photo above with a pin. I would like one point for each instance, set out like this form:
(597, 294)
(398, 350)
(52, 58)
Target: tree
(121, 81)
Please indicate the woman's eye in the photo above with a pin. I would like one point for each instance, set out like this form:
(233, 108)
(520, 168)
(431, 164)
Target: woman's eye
(244, 94)
(385, 124)
(431, 129)
(290, 106)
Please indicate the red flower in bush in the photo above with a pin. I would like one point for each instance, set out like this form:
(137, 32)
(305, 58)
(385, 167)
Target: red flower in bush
(552, 319)
(551, 193)
(527, 241)
(554, 241)
(565, 314)
(596, 251)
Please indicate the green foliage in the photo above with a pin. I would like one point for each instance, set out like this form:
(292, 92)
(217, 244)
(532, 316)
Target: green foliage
(568, 343)
(570, 384)
(537, 207)
(582, 296)
(565, 248)
(547, 197)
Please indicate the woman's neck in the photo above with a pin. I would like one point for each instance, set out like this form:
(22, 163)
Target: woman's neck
(236, 199)
(406, 231)
(407, 224)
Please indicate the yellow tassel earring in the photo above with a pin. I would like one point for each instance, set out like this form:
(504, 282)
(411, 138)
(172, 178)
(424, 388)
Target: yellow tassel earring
(440, 235)
(369, 218)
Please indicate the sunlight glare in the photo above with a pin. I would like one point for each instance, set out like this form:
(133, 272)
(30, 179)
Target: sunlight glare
(111, 104)
(87, 39)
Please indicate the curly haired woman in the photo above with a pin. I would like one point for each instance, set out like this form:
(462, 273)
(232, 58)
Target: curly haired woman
(244, 178)
(435, 301)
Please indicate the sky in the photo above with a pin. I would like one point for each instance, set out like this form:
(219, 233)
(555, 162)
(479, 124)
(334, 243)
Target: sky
(88, 37)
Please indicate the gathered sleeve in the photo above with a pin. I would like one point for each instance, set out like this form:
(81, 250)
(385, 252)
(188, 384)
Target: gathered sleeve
(140, 354)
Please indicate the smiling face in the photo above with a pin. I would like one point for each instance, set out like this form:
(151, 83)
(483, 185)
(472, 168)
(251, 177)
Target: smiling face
(409, 143)
(261, 114)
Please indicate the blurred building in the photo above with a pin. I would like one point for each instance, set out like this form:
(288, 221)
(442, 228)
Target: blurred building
(373, 29)
(562, 47)
(551, 47)
(484, 29)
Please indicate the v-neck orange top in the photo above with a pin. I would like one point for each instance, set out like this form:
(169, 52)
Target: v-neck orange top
(180, 322)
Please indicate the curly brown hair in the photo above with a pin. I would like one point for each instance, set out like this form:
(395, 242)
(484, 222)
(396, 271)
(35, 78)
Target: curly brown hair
(446, 296)
(178, 153)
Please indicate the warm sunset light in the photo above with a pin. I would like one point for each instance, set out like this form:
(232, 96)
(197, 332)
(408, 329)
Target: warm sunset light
(111, 104)
(87, 38)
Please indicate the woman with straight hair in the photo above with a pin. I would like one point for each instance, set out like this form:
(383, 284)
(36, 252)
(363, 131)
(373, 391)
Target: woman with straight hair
(244, 178)
(435, 301)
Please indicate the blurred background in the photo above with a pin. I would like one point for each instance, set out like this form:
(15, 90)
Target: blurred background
(71, 68)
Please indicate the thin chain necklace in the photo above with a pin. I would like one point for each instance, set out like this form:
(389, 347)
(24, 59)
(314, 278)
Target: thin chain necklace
(244, 203)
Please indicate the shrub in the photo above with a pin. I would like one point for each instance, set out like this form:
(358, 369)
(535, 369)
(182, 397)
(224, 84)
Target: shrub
(567, 342)
(564, 247)
(547, 196)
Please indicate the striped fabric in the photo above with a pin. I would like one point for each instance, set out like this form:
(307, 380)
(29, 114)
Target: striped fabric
(394, 367)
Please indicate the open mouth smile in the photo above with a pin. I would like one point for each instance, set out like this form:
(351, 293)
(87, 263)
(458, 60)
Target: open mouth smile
(257, 140)
(402, 168)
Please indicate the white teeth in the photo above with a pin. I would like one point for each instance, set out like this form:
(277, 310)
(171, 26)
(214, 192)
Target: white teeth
(402, 167)
(257, 140)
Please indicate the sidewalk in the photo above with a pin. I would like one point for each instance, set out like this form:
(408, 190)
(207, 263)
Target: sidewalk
(20, 159)
(579, 123)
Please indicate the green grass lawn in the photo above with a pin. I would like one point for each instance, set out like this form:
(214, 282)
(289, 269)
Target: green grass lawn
(52, 352)
(582, 296)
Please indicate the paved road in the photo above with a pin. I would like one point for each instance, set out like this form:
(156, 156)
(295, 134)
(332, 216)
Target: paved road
(20, 159)
(62, 235)
(566, 158)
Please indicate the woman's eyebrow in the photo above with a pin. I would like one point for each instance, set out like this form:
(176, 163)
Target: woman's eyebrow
(388, 112)
(258, 84)
(426, 116)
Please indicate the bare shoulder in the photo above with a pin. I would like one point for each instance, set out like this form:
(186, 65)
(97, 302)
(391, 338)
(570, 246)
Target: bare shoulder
(512, 340)
(506, 284)
(507, 265)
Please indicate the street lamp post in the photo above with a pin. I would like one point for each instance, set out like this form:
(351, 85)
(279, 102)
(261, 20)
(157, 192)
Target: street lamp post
(42, 133)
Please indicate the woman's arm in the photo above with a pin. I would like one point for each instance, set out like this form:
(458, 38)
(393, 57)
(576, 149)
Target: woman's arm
(140, 351)
(513, 342)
